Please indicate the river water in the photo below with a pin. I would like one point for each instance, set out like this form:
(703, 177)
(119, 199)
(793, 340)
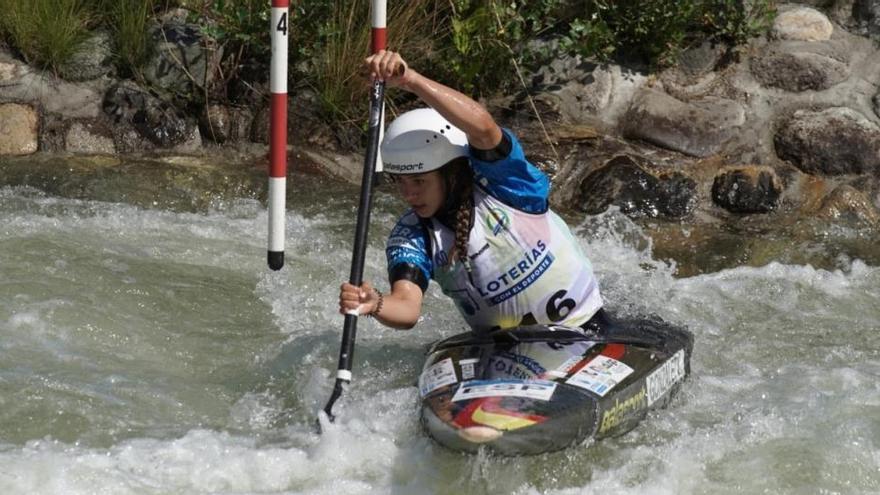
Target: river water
(147, 349)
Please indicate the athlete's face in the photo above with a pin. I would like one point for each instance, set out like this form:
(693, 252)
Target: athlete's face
(424, 193)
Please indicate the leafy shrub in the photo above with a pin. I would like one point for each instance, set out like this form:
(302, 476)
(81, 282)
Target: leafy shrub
(241, 29)
(488, 37)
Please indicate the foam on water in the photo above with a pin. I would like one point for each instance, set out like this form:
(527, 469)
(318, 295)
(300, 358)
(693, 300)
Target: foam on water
(147, 352)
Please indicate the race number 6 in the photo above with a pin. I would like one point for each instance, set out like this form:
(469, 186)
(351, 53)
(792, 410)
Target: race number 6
(558, 308)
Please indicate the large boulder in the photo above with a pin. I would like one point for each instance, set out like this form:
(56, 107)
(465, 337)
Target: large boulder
(576, 91)
(183, 60)
(747, 189)
(802, 24)
(797, 67)
(19, 127)
(153, 118)
(51, 95)
(697, 128)
(638, 193)
(832, 141)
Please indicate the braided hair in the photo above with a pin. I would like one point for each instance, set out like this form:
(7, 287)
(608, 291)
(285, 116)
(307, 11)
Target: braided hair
(458, 210)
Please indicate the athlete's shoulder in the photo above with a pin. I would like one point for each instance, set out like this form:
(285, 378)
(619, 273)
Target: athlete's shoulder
(409, 227)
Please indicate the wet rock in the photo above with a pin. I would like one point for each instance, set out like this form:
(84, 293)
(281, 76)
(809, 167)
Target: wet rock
(154, 119)
(93, 59)
(747, 189)
(19, 125)
(624, 183)
(848, 204)
(798, 71)
(182, 59)
(222, 124)
(802, 24)
(699, 128)
(89, 137)
(833, 141)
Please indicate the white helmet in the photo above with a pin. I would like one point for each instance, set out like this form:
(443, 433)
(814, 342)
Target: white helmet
(420, 141)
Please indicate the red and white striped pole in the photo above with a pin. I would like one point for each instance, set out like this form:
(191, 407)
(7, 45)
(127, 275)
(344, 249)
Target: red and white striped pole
(278, 133)
(378, 42)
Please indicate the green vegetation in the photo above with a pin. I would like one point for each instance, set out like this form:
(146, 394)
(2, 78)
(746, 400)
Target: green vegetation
(475, 45)
(128, 20)
(46, 32)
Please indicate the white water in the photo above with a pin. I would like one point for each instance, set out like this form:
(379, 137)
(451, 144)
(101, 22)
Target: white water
(152, 352)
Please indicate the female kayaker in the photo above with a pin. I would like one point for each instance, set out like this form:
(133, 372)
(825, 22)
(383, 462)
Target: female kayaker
(479, 223)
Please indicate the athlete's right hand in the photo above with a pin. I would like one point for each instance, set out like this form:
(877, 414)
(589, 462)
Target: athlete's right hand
(390, 67)
(357, 301)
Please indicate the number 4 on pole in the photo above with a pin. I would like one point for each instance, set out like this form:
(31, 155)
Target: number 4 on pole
(278, 134)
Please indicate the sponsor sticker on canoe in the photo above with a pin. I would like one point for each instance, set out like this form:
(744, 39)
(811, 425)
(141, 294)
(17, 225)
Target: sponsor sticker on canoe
(667, 375)
(467, 368)
(623, 409)
(438, 375)
(539, 390)
(600, 375)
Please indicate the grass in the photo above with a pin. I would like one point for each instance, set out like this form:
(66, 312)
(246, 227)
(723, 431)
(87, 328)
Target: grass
(129, 25)
(46, 32)
(337, 78)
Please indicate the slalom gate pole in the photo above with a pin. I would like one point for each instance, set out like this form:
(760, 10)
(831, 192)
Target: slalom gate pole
(377, 97)
(278, 133)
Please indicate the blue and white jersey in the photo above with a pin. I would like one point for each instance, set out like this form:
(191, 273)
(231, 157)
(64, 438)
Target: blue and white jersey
(527, 267)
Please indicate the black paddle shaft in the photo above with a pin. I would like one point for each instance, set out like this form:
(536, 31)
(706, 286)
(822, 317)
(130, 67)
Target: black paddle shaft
(349, 329)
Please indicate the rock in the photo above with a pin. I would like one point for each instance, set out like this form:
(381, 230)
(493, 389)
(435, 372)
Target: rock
(802, 24)
(574, 91)
(19, 125)
(89, 137)
(221, 124)
(622, 182)
(53, 129)
(701, 59)
(867, 14)
(699, 128)
(833, 141)
(214, 123)
(21, 84)
(9, 72)
(93, 59)
(846, 203)
(260, 126)
(153, 118)
(747, 189)
(575, 133)
(799, 71)
(876, 104)
(182, 59)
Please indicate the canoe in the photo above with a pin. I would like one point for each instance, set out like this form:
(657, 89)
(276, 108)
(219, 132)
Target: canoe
(536, 389)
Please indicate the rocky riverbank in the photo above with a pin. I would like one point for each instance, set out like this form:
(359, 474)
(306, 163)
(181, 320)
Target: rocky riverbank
(747, 157)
